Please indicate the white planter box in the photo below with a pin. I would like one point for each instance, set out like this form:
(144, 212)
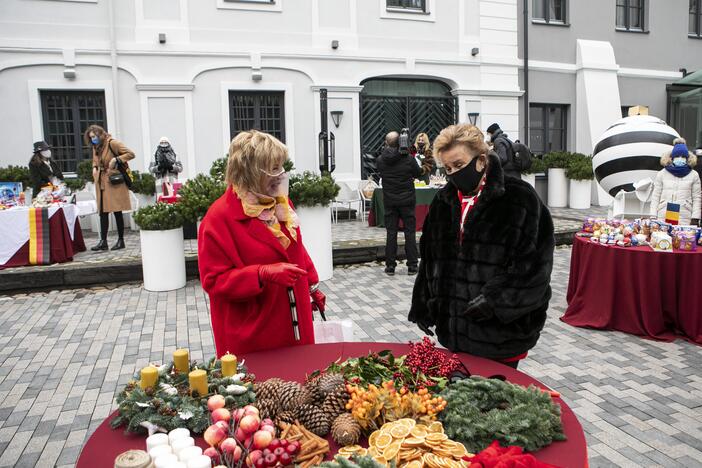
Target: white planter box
(315, 225)
(557, 188)
(580, 193)
(529, 179)
(163, 259)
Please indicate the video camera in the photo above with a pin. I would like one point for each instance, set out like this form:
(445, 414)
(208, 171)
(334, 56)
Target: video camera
(404, 141)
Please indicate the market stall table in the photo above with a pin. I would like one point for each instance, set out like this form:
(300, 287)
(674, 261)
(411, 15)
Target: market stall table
(425, 195)
(65, 235)
(635, 290)
(296, 362)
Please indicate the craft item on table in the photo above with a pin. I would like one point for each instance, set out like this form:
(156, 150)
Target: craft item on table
(10, 193)
(661, 242)
(660, 226)
(685, 241)
(133, 459)
(198, 382)
(156, 440)
(181, 360)
(589, 225)
(496, 456)
(672, 213)
(228, 365)
(149, 377)
(39, 237)
(310, 448)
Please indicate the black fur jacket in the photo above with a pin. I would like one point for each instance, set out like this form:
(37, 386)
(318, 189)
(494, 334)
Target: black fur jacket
(487, 296)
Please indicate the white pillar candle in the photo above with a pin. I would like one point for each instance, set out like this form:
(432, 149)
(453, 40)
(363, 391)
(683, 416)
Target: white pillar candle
(160, 450)
(156, 440)
(165, 461)
(189, 452)
(176, 465)
(176, 434)
(180, 444)
(201, 461)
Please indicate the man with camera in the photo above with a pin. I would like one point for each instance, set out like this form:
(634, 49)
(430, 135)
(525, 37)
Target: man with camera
(398, 169)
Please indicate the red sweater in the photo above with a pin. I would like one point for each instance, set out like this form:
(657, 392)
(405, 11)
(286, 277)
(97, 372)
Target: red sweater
(246, 315)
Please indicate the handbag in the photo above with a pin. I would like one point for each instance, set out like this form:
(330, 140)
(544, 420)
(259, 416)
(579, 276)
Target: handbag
(125, 174)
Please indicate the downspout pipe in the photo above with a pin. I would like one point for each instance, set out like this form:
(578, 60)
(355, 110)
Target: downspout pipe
(525, 138)
(113, 63)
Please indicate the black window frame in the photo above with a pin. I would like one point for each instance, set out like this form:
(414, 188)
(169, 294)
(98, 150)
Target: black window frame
(405, 8)
(258, 95)
(643, 16)
(545, 128)
(546, 19)
(68, 159)
(697, 13)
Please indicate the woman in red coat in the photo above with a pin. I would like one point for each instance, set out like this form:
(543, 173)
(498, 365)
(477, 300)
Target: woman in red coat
(251, 254)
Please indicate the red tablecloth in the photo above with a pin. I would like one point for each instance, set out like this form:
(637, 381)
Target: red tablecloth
(296, 362)
(62, 247)
(635, 290)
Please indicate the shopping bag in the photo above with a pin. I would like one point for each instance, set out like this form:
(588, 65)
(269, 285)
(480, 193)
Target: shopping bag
(333, 331)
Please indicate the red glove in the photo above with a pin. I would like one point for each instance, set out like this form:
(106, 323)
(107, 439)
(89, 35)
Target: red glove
(284, 274)
(318, 300)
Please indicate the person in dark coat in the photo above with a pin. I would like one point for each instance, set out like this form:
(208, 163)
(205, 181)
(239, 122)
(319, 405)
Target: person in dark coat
(42, 169)
(398, 172)
(487, 254)
(503, 147)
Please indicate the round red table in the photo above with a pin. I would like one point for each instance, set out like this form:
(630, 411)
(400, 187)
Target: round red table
(635, 290)
(294, 363)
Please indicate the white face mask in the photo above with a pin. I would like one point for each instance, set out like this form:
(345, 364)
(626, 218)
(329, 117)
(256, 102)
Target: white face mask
(46, 154)
(278, 184)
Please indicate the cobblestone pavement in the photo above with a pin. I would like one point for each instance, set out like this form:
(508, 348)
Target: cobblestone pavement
(65, 355)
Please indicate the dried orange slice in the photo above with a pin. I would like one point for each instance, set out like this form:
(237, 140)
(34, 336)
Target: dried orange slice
(383, 440)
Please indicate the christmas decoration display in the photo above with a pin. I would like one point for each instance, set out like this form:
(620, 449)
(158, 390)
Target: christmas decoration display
(375, 406)
(496, 456)
(481, 410)
(345, 430)
(313, 448)
(355, 461)
(642, 232)
(133, 459)
(167, 400)
(424, 358)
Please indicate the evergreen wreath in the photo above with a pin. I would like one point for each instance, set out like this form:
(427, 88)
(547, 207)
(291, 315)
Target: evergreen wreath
(170, 405)
(481, 410)
(365, 461)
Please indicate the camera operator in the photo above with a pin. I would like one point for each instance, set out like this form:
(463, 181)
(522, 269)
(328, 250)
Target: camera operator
(398, 169)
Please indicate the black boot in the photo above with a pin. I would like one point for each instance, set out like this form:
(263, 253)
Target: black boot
(102, 245)
(119, 245)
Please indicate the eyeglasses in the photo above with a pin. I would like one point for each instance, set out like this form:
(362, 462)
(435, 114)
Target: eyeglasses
(282, 171)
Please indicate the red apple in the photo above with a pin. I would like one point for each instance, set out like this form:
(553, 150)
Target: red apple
(250, 409)
(284, 443)
(221, 414)
(223, 424)
(292, 449)
(240, 435)
(271, 460)
(262, 439)
(279, 451)
(214, 435)
(238, 414)
(249, 423)
(236, 454)
(228, 445)
(269, 429)
(212, 453)
(254, 457)
(260, 463)
(275, 443)
(285, 459)
(266, 452)
(215, 402)
(267, 422)
(248, 442)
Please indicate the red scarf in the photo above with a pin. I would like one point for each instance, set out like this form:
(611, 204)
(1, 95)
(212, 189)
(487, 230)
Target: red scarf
(467, 204)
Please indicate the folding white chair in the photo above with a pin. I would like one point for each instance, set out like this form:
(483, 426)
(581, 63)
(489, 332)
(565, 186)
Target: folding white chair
(347, 198)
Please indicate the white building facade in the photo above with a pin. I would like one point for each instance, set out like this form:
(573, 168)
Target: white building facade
(199, 71)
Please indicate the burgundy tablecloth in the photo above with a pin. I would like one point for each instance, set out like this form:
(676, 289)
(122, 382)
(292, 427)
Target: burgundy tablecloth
(635, 290)
(296, 362)
(62, 247)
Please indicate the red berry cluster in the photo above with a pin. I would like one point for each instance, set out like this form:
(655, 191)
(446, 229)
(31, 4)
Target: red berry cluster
(280, 452)
(425, 358)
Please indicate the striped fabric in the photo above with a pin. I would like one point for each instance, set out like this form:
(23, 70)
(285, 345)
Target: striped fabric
(672, 213)
(39, 244)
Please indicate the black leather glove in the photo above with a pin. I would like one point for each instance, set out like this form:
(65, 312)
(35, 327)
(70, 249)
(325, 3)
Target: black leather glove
(479, 310)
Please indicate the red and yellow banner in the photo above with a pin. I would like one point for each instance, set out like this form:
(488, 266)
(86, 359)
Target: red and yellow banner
(39, 243)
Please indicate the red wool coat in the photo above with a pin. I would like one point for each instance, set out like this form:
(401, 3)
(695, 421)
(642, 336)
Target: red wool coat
(246, 315)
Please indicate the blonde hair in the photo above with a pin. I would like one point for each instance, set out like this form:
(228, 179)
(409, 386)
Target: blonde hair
(427, 142)
(464, 134)
(250, 155)
(667, 159)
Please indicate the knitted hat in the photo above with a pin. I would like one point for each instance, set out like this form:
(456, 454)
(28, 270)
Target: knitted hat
(493, 128)
(41, 146)
(679, 151)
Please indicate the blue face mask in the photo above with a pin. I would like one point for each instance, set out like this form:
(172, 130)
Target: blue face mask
(95, 140)
(680, 162)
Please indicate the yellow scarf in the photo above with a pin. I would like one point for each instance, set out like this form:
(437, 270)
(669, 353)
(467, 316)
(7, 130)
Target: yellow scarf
(270, 210)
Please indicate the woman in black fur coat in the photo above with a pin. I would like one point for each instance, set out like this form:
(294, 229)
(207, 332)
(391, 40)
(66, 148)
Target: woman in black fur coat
(486, 255)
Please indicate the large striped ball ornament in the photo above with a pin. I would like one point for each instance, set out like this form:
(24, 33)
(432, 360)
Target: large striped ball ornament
(631, 150)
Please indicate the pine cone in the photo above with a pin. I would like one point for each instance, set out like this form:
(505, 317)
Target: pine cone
(335, 403)
(287, 417)
(268, 409)
(292, 395)
(330, 382)
(313, 386)
(345, 430)
(268, 390)
(314, 419)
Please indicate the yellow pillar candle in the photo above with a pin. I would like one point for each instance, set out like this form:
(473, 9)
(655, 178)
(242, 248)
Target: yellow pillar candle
(198, 381)
(228, 365)
(149, 376)
(181, 359)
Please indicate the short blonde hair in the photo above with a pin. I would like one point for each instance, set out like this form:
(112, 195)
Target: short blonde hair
(667, 159)
(464, 134)
(250, 155)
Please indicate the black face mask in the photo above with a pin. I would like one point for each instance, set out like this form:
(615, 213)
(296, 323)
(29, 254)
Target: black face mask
(467, 179)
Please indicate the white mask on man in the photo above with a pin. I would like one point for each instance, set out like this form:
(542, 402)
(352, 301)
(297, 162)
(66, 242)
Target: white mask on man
(46, 154)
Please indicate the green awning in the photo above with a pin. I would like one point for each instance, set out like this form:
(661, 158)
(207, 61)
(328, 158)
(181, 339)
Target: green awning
(693, 79)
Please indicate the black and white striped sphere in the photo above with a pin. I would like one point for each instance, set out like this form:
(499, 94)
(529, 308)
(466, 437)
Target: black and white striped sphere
(630, 150)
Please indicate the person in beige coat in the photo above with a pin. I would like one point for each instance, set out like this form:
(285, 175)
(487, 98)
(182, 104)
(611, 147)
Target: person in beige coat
(678, 183)
(111, 198)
